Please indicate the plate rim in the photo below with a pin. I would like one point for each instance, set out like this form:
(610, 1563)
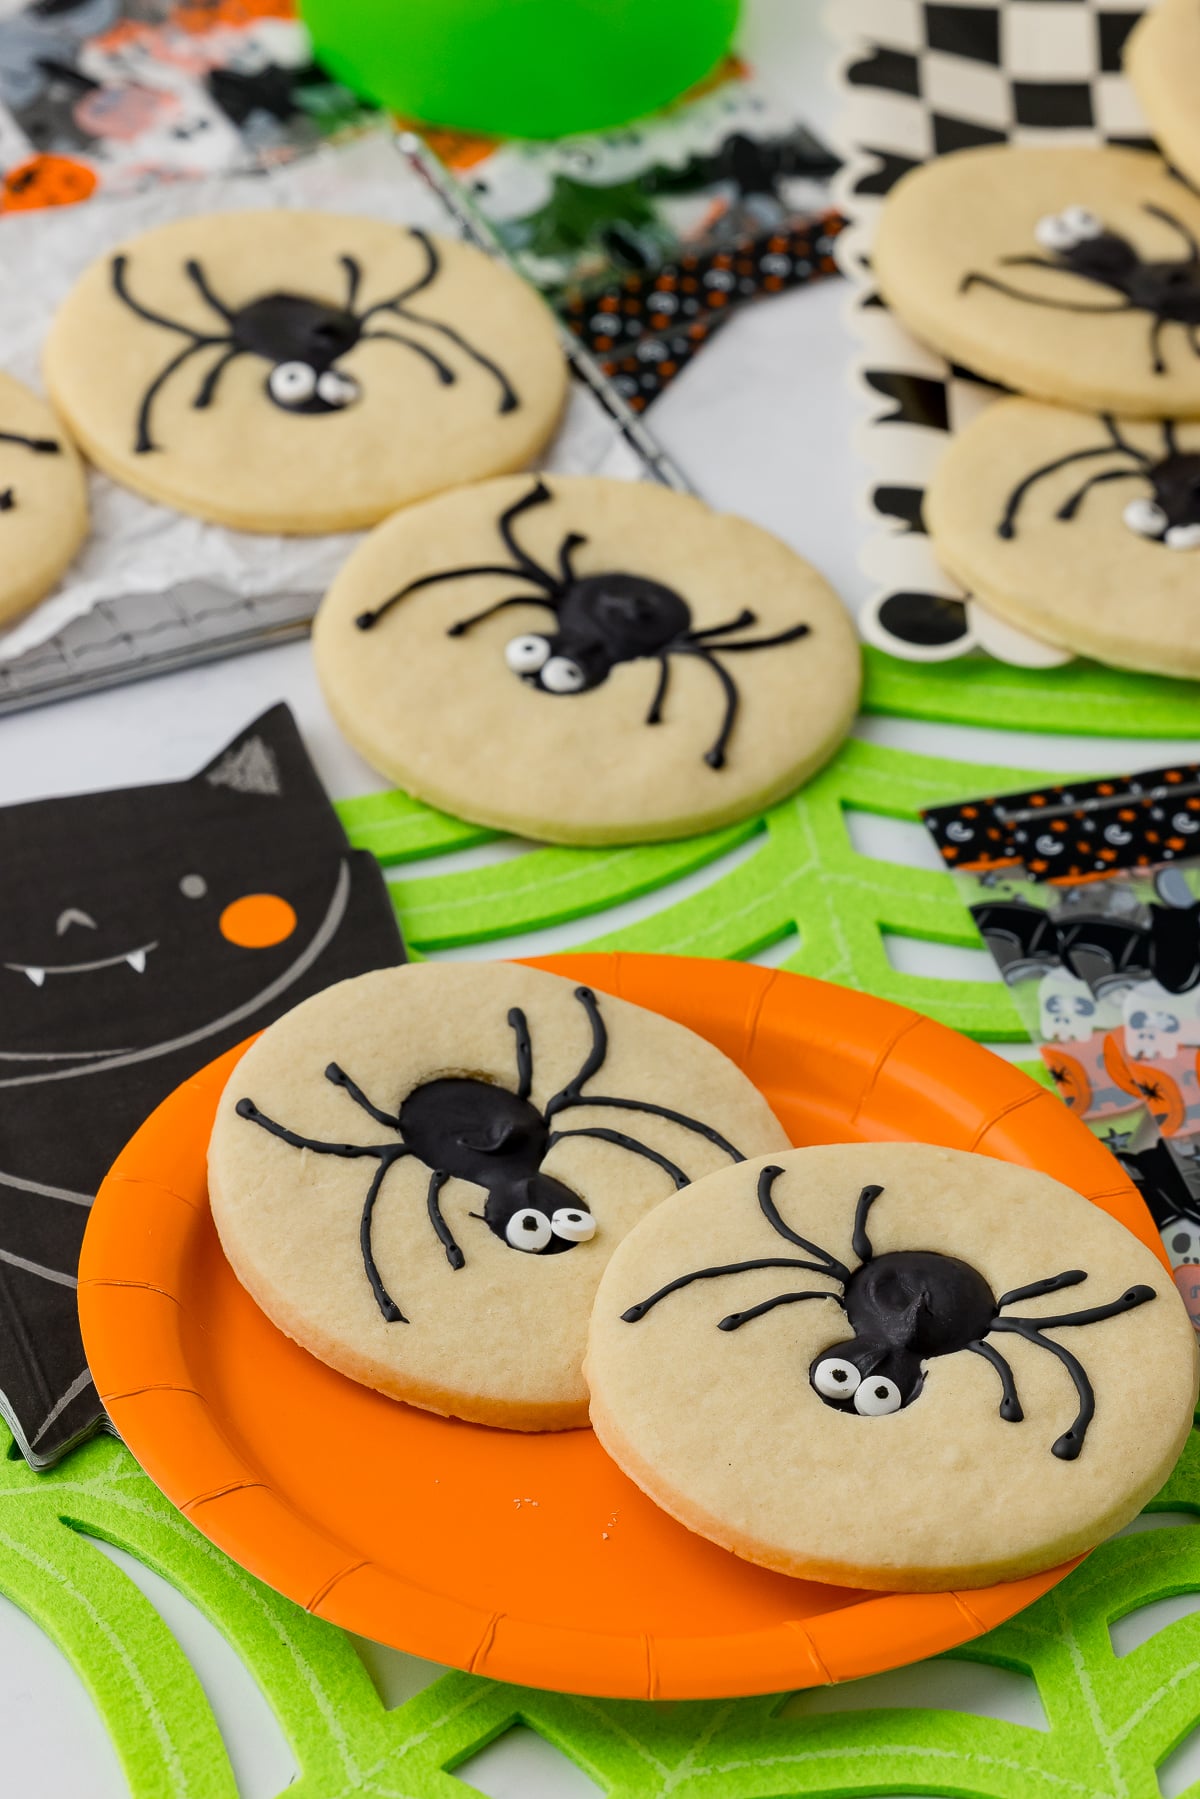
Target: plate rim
(178, 1440)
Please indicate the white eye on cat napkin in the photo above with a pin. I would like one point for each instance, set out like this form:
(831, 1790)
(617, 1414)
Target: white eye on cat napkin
(137, 547)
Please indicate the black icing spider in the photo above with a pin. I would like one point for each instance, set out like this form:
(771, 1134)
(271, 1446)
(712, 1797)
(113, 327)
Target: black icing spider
(602, 620)
(905, 1308)
(303, 340)
(1080, 244)
(467, 1128)
(41, 446)
(1171, 516)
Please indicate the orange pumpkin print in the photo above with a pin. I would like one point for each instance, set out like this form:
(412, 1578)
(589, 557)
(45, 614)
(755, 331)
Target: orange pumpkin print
(1070, 1079)
(1158, 1090)
(46, 181)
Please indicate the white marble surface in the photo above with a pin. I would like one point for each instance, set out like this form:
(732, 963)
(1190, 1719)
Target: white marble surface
(762, 423)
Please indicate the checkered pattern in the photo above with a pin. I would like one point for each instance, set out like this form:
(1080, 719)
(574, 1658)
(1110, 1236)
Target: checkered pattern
(923, 78)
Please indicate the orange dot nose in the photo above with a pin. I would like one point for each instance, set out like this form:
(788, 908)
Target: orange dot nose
(257, 920)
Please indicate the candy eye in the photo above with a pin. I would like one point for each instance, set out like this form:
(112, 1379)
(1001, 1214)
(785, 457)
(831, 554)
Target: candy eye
(525, 655)
(1064, 230)
(337, 389)
(291, 383)
(561, 675)
(877, 1396)
(835, 1379)
(1146, 517)
(1183, 537)
(527, 1229)
(573, 1224)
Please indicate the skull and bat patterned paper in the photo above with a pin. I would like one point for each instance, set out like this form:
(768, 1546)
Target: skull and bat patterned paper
(143, 932)
(1088, 896)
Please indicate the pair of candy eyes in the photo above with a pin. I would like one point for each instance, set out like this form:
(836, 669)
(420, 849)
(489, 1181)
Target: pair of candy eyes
(873, 1397)
(1067, 229)
(292, 383)
(531, 656)
(531, 1230)
(1148, 519)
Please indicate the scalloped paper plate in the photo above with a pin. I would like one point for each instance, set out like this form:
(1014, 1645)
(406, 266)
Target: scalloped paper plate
(531, 1558)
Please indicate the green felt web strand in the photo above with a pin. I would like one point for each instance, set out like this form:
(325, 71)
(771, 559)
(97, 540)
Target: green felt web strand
(802, 875)
(1084, 700)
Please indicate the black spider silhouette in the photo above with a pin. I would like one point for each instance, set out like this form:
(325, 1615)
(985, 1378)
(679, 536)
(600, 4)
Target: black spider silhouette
(1171, 516)
(602, 620)
(906, 1307)
(467, 1128)
(41, 446)
(1080, 244)
(303, 340)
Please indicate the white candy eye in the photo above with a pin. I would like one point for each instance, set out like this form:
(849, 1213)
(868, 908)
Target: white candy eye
(1146, 517)
(292, 383)
(1063, 230)
(835, 1379)
(527, 1229)
(337, 389)
(525, 655)
(1183, 537)
(573, 1224)
(561, 675)
(877, 1396)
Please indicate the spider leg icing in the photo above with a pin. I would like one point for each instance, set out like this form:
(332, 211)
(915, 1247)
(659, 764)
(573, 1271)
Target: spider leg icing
(860, 1242)
(744, 618)
(1177, 225)
(566, 552)
(1037, 1289)
(247, 1109)
(827, 1264)
(442, 370)
(339, 1078)
(636, 1313)
(735, 1320)
(353, 269)
(1010, 1405)
(429, 273)
(398, 305)
(143, 440)
(1014, 293)
(119, 267)
(538, 495)
(454, 1255)
(463, 625)
(199, 281)
(383, 1299)
(654, 716)
(1157, 326)
(1073, 502)
(520, 1029)
(1007, 526)
(572, 1094)
(1068, 1446)
(715, 754)
(630, 1143)
(42, 446)
(206, 392)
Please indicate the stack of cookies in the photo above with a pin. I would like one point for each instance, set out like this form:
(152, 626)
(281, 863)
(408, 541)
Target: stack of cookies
(495, 1194)
(1072, 276)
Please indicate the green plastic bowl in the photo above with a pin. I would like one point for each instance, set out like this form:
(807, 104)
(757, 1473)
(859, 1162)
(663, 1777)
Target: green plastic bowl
(520, 68)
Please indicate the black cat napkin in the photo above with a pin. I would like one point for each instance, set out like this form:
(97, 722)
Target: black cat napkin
(142, 933)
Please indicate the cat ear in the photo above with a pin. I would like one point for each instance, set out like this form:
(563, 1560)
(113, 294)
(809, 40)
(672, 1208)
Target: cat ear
(267, 759)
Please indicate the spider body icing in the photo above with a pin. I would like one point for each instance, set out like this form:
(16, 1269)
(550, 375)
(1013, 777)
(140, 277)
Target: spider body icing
(1169, 514)
(40, 446)
(1078, 243)
(600, 621)
(906, 1308)
(469, 1128)
(302, 339)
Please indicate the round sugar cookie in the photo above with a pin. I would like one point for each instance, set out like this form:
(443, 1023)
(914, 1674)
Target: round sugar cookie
(1083, 529)
(1162, 60)
(43, 499)
(420, 1174)
(1071, 274)
(586, 660)
(302, 371)
(891, 1366)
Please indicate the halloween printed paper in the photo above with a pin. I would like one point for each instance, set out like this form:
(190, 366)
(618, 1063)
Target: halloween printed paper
(143, 932)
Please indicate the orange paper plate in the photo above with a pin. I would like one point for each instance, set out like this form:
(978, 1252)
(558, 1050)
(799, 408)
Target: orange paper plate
(531, 1558)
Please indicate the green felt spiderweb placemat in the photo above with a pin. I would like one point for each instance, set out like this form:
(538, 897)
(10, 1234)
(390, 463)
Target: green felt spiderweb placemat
(1111, 1719)
(792, 881)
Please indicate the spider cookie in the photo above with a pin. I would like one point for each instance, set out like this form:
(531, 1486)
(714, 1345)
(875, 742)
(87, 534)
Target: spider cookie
(302, 371)
(892, 1366)
(421, 1173)
(1162, 60)
(1081, 528)
(586, 661)
(43, 499)
(1070, 274)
